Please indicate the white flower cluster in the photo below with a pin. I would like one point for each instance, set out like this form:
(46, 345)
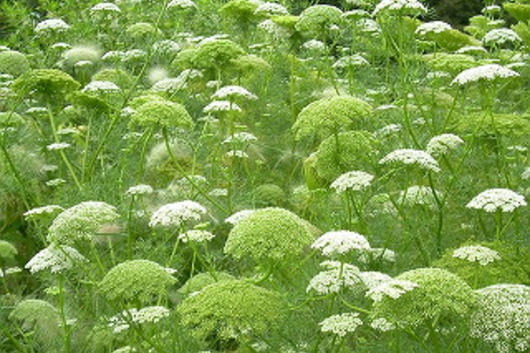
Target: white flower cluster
(167, 46)
(394, 289)
(341, 324)
(55, 258)
(487, 72)
(182, 4)
(354, 180)
(106, 7)
(432, 27)
(276, 31)
(101, 87)
(177, 213)
(58, 146)
(477, 253)
(336, 277)
(402, 7)
(271, 8)
(372, 279)
(239, 216)
(471, 49)
(492, 200)
(221, 106)
(52, 25)
(125, 349)
(197, 236)
(503, 317)
(526, 174)
(228, 92)
(314, 45)
(382, 324)
(44, 210)
(443, 143)
(340, 242)
(150, 314)
(237, 154)
(409, 156)
(141, 189)
(240, 137)
(500, 36)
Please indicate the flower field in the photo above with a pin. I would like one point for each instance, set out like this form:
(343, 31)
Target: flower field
(246, 176)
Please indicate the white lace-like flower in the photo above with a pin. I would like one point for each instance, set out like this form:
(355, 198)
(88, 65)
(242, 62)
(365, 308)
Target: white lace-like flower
(239, 216)
(340, 242)
(44, 210)
(314, 45)
(354, 180)
(372, 279)
(394, 289)
(471, 49)
(350, 61)
(141, 189)
(228, 92)
(55, 259)
(55, 182)
(443, 143)
(276, 31)
(176, 214)
(477, 253)
(500, 36)
(341, 324)
(107, 7)
(382, 324)
(58, 146)
(432, 27)
(101, 87)
(221, 106)
(526, 174)
(271, 8)
(336, 277)
(240, 137)
(487, 72)
(150, 314)
(402, 7)
(52, 25)
(182, 4)
(492, 200)
(409, 156)
(197, 236)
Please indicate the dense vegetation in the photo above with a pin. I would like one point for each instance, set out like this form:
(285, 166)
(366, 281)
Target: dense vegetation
(248, 176)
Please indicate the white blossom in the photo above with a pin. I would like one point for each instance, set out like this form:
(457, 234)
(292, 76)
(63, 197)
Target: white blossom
(197, 236)
(44, 210)
(493, 200)
(394, 289)
(432, 27)
(52, 25)
(176, 214)
(101, 86)
(409, 156)
(55, 258)
(106, 7)
(382, 324)
(443, 143)
(182, 4)
(141, 189)
(58, 146)
(221, 106)
(477, 253)
(402, 7)
(340, 242)
(341, 324)
(500, 36)
(354, 180)
(487, 72)
(337, 276)
(271, 8)
(228, 92)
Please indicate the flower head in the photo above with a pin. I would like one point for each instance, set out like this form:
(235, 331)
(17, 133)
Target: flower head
(482, 73)
(340, 242)
(177, 214)
(55, 258)
(341, 324)
(493, 200)
(477, 253)
(409, 156)
(354, 180)
(443, 143)
(197, 236)
(336, 277)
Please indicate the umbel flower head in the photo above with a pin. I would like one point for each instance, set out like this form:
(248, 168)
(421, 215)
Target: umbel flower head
(409, 156)
(439, 297)
(55, 258)
(399, 7)
(81, 222)
(354, 180)
(341, 324)
(46, 82)
(269, 233)
(503, 317)
(318, 19)
(40, 316)
(442, 144)
(484, 73)
(336, 277)
(136, 279)
(232, 309)
(327, 116)
(340, 242)
(147, 315)
(161, 113)
(177, 214)
(477, 253)
(216, 53)
(196, 283)
(493, 200)
(13, 63)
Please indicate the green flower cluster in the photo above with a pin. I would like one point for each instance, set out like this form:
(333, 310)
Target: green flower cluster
(441, 298)
(201, 280)
(269, 234)
(136, 280)
(39, 316)
(162, 113)
(231, 310)
(13, 63)
(47, 82)
(216, 54)
(81, 221)
(318, 19)
(452, 63)
(327, 116)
